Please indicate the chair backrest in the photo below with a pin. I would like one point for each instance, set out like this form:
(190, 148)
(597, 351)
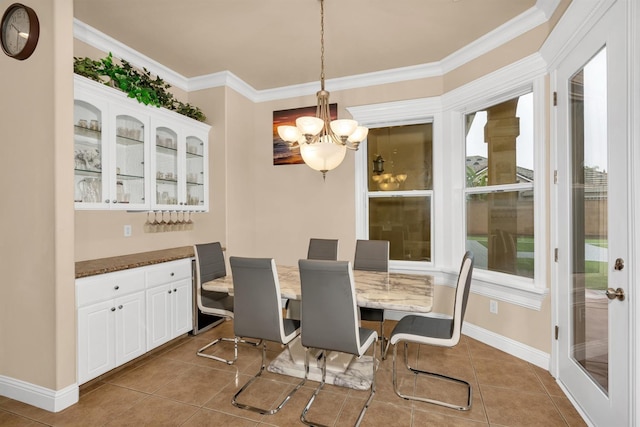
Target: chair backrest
(329, 310)
(371, 255)
(209, 262)
(462, 294)
(210, 265)
(323, 249)
(256, 303)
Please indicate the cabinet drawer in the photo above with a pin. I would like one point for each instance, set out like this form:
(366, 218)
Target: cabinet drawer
(106, 286)
(168, 272)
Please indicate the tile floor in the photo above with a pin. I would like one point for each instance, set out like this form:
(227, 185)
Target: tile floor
(174, 387)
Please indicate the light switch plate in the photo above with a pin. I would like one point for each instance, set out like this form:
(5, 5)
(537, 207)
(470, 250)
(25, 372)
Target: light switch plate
(127, 231)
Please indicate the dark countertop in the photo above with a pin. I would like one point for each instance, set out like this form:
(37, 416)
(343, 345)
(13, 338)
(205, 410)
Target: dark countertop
(123, 262)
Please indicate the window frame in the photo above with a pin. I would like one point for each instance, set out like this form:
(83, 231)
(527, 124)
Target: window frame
(449, 176)
(400, 113)
(481, 94)
(502, 188)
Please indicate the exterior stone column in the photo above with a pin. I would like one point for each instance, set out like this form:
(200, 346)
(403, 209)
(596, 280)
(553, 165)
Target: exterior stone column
(500, 133)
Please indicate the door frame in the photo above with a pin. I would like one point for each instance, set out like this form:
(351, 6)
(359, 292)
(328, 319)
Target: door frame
(583, 19)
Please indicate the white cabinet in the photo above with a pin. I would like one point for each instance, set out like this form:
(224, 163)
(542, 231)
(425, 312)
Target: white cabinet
(111, 150)
(169, 305)
(124, 314)
(130, 156)
(179, 160)
(111, 321)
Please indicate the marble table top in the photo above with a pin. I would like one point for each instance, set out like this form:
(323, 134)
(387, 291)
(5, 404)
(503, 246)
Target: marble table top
(390, 291)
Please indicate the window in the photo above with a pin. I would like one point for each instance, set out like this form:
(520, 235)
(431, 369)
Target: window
(499, 186)
(399, 189)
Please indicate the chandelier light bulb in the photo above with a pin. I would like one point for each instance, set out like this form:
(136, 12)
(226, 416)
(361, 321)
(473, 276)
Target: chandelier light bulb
(358, 135)
(343, 127)
(309, 125)
(289, 133)
(323, 155)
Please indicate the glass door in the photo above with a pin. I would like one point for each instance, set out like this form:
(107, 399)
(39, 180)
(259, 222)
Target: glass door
(89, 155)
(166, 167)
(592, 212)
(129, 162)
(195, 173)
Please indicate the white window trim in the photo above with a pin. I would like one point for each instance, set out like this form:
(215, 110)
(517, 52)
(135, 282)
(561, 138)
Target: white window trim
(449, 235)
(400, 113)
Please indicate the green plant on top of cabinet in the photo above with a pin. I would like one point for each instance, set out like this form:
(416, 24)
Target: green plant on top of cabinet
(117, 166)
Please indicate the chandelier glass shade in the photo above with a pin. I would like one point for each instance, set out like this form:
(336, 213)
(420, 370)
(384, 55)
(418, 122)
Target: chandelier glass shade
(322, 141)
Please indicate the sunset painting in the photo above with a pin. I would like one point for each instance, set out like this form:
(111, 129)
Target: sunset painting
(282, 153)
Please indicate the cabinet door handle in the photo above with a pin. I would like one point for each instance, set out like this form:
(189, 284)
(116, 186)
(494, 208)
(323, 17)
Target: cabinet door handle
(173, 274)
(175, 290)
(169, 290)
(113, 309)
(120, 307)
(116, 287)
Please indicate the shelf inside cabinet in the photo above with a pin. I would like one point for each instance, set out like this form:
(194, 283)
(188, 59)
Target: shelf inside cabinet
(87, 172)
(125, 140)
(166, 181)
(90, 133)
(127, 177)
(167, 150)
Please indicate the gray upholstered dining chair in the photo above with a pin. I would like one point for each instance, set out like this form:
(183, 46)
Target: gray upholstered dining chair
(323, 249)
(372, 255)
(441, 332)
(326, 249)
(258, 315)
(210, 265)
(330, 320)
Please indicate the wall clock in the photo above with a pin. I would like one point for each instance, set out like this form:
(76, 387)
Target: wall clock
(20, 30)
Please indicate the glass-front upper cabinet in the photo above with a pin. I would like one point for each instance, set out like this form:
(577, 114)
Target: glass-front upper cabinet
(130, 165)
(133, 157)
(89, 152)
(180, 167)
(195, 170)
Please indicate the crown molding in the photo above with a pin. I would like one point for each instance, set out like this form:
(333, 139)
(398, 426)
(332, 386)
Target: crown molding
(508, 31)
(100, 40)
(571, 28)
(524, 22)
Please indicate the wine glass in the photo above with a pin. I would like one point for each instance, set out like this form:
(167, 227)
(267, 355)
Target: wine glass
(163, 224)
(189, 222)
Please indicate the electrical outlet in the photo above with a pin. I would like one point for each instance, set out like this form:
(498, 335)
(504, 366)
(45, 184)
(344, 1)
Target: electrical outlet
(493, 306)
(127, 231)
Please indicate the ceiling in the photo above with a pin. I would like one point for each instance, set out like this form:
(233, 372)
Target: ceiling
(276, 43)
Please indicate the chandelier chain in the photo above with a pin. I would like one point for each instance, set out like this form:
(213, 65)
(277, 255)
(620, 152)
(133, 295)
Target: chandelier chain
(322, 44)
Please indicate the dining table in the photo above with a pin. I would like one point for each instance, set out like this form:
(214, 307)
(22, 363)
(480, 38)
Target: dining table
(384, 290)
(374, 289)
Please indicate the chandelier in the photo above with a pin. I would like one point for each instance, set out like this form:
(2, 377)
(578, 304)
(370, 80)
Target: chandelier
(323, 142)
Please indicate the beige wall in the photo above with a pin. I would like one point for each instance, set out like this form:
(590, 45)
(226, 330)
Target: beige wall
(37, 308)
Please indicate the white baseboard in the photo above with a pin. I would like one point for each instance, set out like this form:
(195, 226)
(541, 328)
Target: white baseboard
(512, 347)
(40, 397)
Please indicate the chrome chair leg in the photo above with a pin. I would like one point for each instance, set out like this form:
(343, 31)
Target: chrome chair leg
(262, 411)
(235, 342)
(418, 372)
(303, 415)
